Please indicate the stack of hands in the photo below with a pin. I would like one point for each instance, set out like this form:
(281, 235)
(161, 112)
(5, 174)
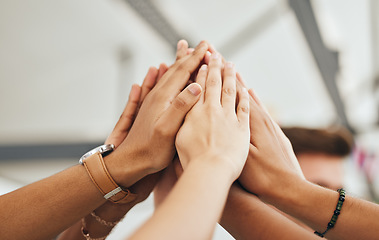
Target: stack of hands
(198, 115)
(210, 118)
(207, 145)
(212, 152)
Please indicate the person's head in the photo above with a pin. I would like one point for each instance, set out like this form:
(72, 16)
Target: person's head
(321, 153)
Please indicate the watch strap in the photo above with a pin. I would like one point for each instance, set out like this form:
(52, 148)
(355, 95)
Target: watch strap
(102, 179)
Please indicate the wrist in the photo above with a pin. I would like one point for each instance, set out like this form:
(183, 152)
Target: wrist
(124, 168)
(307, 202)
(288, 192)
(217, 164)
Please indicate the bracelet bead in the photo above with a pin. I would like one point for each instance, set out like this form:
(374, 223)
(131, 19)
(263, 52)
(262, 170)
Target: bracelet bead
(336, 213)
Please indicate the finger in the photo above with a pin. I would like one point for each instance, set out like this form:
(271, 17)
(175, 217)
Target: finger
(190, 50)
(276, 127)
(201, 78)
(149, 82)
(254, 113)
(213, 83)
(181, 49)
(202, 75)
(209, 54)
(207, 57)
(180, 72)
(211, 48)
(243, 107)
(172, 119)
(161, 71)
(258, 101)
(258, 116)
(240, 80)
(126, 119)
(228, 98)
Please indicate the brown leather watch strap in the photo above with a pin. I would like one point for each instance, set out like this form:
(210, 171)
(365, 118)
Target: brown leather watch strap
(100, 176)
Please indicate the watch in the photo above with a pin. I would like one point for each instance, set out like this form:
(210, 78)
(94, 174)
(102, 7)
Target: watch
(94, 164)
(103, 150)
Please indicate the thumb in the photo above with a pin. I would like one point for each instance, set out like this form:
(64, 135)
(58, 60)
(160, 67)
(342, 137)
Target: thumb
(173, 118)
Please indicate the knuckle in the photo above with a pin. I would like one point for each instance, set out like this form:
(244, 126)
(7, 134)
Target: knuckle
(212, 81)
(229, 91)
(162, 130)
(244, 109)
(127, 117)
(180, 104)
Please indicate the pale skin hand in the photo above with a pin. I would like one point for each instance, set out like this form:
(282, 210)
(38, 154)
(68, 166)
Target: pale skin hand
(244, 216)
(217, 110)
(208, 174)
(169, 177)
(149, 146)
(109, 211)
(303, 197)
(226, 89)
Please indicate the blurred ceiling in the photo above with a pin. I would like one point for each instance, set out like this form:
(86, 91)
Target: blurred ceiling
(66, 66)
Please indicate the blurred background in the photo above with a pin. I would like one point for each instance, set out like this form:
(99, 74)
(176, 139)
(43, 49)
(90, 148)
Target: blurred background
(66, 68)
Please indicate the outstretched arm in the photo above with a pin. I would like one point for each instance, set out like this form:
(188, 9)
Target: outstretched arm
(212, 136)
(272, 173)
(55, 203)
(246, 217)
(108, 212)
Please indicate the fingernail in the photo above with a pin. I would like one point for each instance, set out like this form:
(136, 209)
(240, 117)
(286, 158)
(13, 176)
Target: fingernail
(229, 65)
(180, 45)
(204, 67)
(194, 89)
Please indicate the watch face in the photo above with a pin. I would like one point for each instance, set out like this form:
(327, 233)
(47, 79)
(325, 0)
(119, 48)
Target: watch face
(103, 150)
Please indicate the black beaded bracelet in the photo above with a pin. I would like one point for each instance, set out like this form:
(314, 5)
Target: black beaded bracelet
(337, 212)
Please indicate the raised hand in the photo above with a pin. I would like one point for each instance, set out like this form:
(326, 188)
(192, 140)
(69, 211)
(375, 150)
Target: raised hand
(149, 146)
(214, 126)
(271, 159)
(114, 212)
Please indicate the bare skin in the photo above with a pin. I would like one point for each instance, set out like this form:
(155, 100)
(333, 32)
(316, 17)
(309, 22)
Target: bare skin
(212, 145)
(273, 173)
(109, 211)
(274, 177)
(51, 211)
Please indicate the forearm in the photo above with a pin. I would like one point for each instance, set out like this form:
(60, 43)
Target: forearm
(315, 205)
(193, 207)
(247, 217)
(109, 212)
(50, 205)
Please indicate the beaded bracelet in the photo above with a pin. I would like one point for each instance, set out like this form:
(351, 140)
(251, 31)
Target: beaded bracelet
(336, 212)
